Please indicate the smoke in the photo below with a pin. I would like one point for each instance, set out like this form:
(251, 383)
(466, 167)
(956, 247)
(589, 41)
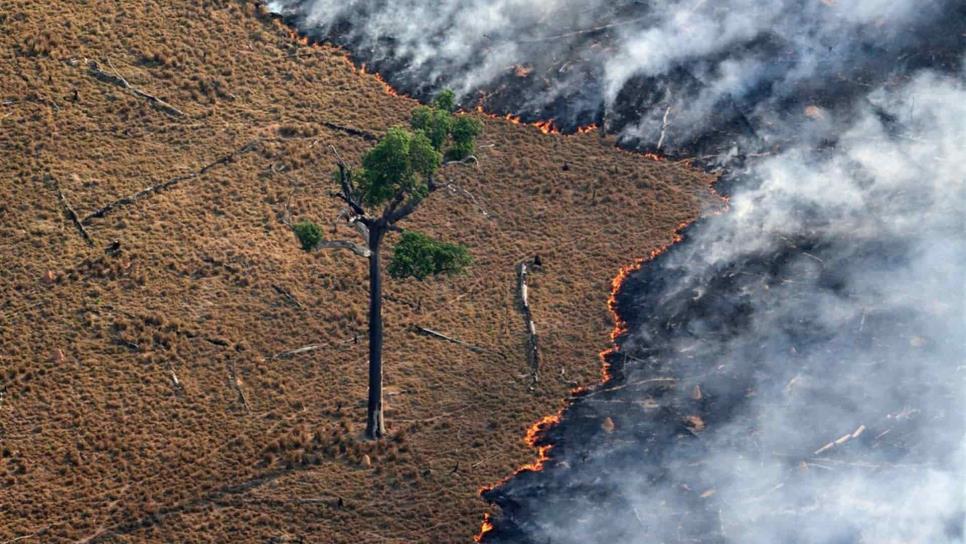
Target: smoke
(716, 68)
(794, 370)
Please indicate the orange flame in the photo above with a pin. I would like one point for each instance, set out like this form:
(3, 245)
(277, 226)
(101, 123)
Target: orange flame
(484, 529)
(546, 127)
(620, 327)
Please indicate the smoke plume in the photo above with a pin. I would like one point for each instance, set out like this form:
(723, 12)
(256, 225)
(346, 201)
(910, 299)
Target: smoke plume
(793, 371)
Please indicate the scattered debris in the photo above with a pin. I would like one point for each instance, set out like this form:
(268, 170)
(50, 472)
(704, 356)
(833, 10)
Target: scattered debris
(696, 393)
(113, 249)
(694, 423)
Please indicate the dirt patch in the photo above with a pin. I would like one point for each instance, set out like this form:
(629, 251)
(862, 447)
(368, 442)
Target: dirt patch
(142, 399)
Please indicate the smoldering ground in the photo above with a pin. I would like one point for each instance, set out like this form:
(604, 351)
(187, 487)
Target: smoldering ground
(793, 371)
(703, 73)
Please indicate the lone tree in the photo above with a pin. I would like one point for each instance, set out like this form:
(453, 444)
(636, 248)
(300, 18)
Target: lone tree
(397, 174)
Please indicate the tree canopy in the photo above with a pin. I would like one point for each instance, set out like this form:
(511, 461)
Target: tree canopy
(399, 164)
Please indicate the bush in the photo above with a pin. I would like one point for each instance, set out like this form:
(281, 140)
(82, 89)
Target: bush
(419, 256)
(308, 233)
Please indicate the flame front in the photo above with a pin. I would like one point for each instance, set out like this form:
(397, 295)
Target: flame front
(484, 529)
(547, 127)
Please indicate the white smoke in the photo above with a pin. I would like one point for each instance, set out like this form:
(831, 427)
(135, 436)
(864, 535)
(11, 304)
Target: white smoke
(696, 58)
(902, 185)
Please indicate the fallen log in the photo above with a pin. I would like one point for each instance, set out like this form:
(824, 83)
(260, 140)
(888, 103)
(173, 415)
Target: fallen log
(71, 213)
(441, 336)
(533, 351)
(368, 136)
(297, 351)
(841, 440)
(117, 79)
(287, 295)
(144, 193)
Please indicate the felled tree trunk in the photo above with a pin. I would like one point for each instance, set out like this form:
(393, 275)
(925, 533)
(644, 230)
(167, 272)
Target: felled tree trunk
(375, 424)
(533, 350)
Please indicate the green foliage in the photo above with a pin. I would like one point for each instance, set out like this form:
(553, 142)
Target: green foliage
(445, 100)
(453, 135)
(419, 256)
(464, 132)
(401, 161)
(434, 122)
(308, 233)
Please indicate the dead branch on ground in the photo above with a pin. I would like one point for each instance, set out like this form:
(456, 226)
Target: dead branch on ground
(144, 193)
(71, 213)
(117, 79)
(287, 295)
(664, 125)
(237, 384)
(441, 336)
(297, 351)
(358, 249)
(368, 136)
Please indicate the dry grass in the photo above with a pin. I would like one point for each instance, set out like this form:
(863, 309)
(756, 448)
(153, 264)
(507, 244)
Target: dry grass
(98, 440)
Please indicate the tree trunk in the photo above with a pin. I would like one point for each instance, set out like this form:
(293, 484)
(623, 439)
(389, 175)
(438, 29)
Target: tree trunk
(375, 425)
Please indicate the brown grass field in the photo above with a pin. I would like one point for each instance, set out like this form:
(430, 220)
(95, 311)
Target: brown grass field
(140, 396)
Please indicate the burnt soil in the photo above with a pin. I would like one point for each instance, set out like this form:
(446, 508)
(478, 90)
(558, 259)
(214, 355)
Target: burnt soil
(141, 396)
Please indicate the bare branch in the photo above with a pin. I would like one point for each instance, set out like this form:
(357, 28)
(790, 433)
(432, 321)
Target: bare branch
(354, 221)
(345, 174)
(403, 212)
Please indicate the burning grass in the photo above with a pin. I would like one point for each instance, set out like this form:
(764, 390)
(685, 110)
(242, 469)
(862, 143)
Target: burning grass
(140, 392)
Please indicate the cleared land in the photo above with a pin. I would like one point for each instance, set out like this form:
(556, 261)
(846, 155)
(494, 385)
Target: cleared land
(141, 398)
